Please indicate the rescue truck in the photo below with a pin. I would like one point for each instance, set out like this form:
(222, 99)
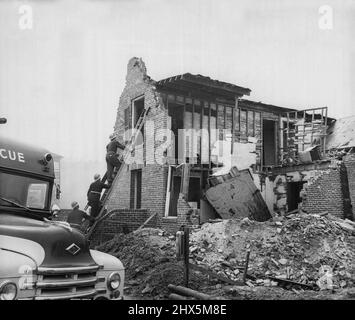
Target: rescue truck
(41, 258)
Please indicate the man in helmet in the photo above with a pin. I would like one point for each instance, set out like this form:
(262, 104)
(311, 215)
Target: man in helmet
(76, 217)
(94, 195)
(114, 149)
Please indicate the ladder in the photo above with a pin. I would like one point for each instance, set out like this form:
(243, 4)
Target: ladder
(122, 158)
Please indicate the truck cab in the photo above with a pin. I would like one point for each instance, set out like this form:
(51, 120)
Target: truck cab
(42, 259)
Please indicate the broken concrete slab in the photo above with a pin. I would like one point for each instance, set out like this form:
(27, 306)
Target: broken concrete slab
(235, 196)
(207, 212)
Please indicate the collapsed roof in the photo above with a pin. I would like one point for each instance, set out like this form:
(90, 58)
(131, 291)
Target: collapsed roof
(341, 134)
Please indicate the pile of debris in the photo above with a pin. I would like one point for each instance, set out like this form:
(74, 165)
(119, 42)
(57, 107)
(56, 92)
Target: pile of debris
(300, 252)
(148, 256)
(306, 251)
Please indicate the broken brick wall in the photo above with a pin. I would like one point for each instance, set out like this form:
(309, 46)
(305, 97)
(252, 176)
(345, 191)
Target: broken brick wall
(186, 216)
(349, 163)
(280, 186)
(154, 172)
(154, 175)
(325, 192)
(120, 221)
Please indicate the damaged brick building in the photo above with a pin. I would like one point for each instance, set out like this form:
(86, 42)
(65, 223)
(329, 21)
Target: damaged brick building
(292, 157)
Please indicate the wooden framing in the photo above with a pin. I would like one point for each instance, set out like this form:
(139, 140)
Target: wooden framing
(251, 125)
(309, 121)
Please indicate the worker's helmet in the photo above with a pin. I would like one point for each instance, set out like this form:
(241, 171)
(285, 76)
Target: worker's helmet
(97, 176)
(55, 208)
(112, 136)
(75, 204)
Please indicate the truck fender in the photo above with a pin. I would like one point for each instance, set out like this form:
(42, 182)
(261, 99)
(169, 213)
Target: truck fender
(108, 261)
(23, 247)
(15, 265)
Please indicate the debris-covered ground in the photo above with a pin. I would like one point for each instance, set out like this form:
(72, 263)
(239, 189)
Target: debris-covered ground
(310, 252)
(149, 259)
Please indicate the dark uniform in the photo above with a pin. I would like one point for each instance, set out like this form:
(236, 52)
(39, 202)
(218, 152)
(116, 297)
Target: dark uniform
(94, 195)
(76, 218)
(112, 160)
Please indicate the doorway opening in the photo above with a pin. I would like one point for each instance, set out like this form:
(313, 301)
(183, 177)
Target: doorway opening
(293, 194)
(136, 189)
(269, 142)
(175, 187)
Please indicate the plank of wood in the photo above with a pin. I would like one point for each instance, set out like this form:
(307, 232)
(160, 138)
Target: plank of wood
(187, 292)
(246, 267)
(174, 296)
(292, 283)
(146, 222)
(291, 212)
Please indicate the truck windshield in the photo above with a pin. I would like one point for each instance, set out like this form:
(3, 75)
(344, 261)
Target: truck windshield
(23, 191)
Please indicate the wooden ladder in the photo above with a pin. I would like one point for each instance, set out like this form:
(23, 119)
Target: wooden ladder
(122, 158)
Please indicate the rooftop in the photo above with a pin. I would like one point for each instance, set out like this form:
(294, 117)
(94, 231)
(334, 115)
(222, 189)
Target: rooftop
(258, 105)
(188, 81)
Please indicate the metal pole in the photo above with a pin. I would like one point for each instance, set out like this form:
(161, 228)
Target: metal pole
(246, 266)
(186, 254)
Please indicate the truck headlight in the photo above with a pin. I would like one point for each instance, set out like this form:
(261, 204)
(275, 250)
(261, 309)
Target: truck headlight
(114, 281)
(8, 291)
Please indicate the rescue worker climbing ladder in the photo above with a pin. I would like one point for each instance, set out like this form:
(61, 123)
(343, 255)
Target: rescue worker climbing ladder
(121, 158)
(112, 157)
(94, 195)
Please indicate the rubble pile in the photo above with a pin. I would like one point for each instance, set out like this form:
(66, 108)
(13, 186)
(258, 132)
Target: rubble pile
(307, 249)
(298, 252)
(150, 262)
(140, 251)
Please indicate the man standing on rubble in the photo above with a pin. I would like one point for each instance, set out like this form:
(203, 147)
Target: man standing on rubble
(114, 150)
(94, 195)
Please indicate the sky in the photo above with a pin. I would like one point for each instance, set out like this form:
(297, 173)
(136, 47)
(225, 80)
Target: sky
(60, 81)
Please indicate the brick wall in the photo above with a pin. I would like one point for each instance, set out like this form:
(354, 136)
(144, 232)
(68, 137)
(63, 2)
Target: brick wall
(138, 84)
(349, 162)
(154, 174)
(281, 185)
(120, 221)
(325, 190)
(326, 193)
